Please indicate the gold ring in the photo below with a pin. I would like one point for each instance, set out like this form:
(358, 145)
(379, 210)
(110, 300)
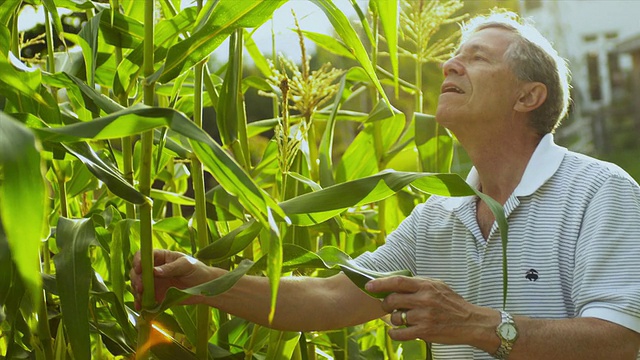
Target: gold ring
(403, 316)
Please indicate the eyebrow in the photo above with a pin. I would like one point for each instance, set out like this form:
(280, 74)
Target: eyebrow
(472, 48)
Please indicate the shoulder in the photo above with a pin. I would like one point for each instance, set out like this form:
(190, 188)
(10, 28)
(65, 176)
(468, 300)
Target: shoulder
(583, 170)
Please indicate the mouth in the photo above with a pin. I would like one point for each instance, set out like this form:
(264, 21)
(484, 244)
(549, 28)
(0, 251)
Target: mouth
(450, 88)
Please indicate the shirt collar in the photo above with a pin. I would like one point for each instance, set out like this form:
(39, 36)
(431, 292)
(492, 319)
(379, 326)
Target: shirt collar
(544, 162)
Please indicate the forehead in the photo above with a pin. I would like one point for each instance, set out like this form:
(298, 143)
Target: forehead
(495, 40)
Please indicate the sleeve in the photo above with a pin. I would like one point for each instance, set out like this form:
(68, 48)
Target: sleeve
(398, 252)
(606, 282)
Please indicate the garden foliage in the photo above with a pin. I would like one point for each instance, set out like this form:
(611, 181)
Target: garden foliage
(103, 153)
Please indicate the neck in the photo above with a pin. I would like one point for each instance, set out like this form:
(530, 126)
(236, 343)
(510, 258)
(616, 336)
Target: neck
(501, 164)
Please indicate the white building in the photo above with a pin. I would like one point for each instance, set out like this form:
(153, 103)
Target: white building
(601, 40)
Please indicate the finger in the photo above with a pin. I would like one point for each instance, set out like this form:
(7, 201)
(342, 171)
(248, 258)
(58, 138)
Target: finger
(397, 318)
(136, 285)
(397, 301)
(403, 333)
(399, 284)
(183, 266)
(136, 266)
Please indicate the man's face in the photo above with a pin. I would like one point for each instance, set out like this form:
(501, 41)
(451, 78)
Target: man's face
(479, 89)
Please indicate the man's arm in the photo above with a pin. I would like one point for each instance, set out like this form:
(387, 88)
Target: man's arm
(434, 313)
(303, 304)
(578, 338)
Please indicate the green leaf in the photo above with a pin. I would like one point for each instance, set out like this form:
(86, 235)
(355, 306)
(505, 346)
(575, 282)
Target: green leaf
(388, 13)
(329, 257)
(214, 287)
(329, 43)
(232, 243)
(5, 39)
(120, 30)
(89, 34)
(274, 268)
(256, 55)
(325, 150)
(7, 11)
(172, 197)
(12, 313)
(165, 33)
(6, 268)
(14, 82)
(231, 120)
(51, 7)
(111, 177)
(282, 344)
(227, 16)
(434, 143)
(138, 119)
(343, 27)
(503, 225)
(73, 275)
(316, 207)
(120, 244)
(227, 207)
(357, 162)
(22, 200)
(177, 227)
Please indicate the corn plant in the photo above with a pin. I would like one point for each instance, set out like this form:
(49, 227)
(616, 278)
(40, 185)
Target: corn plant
(99, 150)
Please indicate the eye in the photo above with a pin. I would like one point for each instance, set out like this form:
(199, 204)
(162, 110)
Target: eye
(479, 58)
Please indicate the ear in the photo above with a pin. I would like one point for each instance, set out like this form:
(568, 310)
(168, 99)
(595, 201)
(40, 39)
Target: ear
(532, 95)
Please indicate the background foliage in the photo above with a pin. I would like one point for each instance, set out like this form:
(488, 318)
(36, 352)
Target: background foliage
(103, 153)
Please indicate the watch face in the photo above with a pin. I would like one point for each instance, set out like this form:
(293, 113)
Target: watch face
(508, 332)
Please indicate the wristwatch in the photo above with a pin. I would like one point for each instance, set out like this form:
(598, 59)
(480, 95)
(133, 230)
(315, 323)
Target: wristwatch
(508, 334)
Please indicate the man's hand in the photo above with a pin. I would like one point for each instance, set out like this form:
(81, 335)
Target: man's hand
(435, 313)
(171, 269)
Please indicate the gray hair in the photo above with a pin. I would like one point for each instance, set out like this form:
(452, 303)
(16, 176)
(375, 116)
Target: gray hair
(532, 58)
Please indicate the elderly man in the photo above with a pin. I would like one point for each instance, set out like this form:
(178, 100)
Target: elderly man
(574, 249)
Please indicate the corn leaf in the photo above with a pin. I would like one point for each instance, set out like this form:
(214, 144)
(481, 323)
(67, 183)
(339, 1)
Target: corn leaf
(388, 14)
(329, 257)
(256, 55)
(330, 44)
(5, 39)
(120, 30)
(314, 208)
(53, 12)
(172, 197)
(227, 16)
(111, 177)
(357, 162)
(22, 200)
(282, 344)
(88, 40)
(140, 118)
(7, 10)
(16, 83)
(434, 143)
(231, 118)
(325, 150)
(343, 28)
(166, 32)
(73, 278)
(231, 243)
(218, 286)
(6, 268)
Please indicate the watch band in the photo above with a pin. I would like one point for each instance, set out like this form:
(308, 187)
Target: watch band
(507, 325)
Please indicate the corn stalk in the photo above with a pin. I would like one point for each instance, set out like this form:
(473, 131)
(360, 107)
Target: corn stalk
(146, 221)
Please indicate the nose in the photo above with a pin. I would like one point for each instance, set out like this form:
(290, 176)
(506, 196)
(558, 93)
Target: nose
(452, 65)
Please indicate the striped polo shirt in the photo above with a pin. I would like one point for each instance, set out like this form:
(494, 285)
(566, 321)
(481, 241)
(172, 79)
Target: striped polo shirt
(574, 244)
